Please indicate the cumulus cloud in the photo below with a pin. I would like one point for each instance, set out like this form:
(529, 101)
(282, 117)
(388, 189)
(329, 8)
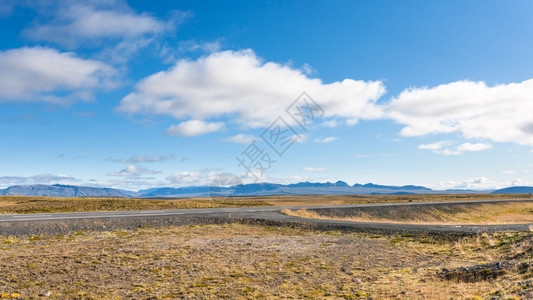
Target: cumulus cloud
(37, 73)
(468, 147)
(36, 179)
(331, 123)
(194, 127)
(238, 84)
(446, 147)
(312, 169)
(435, 146)
(328, 139)
(520, 182)
(133, 171)
(191, 46)
(478, 183)
(73, 22)
(240, 139)
(193, 178)
(76, 23)
(247, 179)
(126, 183)
(173, 54)
(205, 176)
(501, 113)
(142, 159)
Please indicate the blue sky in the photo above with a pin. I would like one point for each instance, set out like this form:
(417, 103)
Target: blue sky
(143, 94)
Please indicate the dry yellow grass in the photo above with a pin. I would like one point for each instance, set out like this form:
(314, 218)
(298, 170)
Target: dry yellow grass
(249, 262)
(18, 204)
(291, 200)
(21, 205)
(494, 213)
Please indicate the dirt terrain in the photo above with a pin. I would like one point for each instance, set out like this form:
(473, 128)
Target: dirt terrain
(235, 258)
(245, 261)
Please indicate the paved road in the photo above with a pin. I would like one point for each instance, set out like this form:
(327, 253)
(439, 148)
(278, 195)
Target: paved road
(273, 214)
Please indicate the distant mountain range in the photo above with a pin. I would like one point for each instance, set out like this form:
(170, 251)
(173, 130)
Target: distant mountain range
(515, 190)
(58, 190)
(254, 189)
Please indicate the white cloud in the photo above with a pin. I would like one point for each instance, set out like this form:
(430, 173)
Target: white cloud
(434, 146)
(253, 93)
(240, 139)
(264, 177)
(501, 113)
(34, 74)
(508, 172)
(194, 178)
(133, 171)
(36, 179)
(328, 139)
(123, 50)
(110, 25)
(312, 169)
(468, 147)
(520, 182)
(82, 22)
(445, 147)
(190, 46)
(194, 127)
(478, 183)
(299, 138)
(331, 123)
(205, 176)
(75, 22)
(143, 159)
(308, 69)
(172, 54)
(126, 183)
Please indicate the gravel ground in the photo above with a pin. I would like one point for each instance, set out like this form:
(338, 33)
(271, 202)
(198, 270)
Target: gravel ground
(240, 261)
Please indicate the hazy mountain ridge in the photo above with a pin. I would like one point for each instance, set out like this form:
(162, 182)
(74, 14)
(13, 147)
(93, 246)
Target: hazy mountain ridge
(253, 189)
(515, 190)
(58, 190)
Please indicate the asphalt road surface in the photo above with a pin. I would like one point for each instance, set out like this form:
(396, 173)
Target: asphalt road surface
(273, 215)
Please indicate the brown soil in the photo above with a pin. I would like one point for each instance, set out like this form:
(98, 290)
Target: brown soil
(244, 261)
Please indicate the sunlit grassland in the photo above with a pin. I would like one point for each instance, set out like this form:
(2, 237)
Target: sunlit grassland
(249, 261)
(19, 204)
(493, 213)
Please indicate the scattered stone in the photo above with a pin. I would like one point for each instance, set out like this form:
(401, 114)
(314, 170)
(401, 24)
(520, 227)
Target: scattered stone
(478, 273)
(45, 294)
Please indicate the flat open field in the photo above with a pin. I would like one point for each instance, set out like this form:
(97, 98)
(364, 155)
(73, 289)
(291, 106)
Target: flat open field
(486, 213)
(20, 205)
(245, 261)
